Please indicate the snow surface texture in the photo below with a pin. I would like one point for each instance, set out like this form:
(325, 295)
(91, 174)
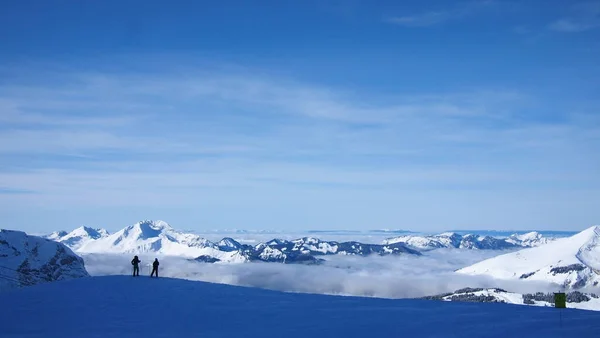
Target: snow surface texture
(120, 306)
(158, 237)
(570, 263)
(28, 260)
(470, 241)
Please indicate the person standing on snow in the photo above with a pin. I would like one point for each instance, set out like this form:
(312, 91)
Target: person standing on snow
(136, 266)
(155, 267)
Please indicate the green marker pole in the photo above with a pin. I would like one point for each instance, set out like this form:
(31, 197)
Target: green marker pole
(560, 302)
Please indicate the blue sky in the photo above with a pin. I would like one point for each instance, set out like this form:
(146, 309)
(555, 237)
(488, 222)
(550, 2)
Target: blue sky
(421, 115)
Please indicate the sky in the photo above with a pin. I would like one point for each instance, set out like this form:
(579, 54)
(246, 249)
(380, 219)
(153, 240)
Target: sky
(290, 115)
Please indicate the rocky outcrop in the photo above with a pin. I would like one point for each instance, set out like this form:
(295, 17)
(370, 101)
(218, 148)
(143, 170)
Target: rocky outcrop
(28, 260)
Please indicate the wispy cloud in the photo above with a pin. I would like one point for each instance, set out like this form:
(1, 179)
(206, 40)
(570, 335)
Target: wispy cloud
(571, 25)
(584, 16)
(244, 141)
(423, 20)
(441, 16)
(57, 120)
(11, 191)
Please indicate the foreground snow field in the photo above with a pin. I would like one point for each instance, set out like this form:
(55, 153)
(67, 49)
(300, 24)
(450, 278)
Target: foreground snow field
(123, 306)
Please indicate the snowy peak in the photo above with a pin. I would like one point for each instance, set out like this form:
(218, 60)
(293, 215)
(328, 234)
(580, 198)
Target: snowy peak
(229, 244)
(55, 236)
(78, 237)
(88, 232)
(276, 241)
(146, 229)
(572, 262)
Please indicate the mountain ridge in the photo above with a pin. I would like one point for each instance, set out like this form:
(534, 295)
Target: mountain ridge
(470, 241)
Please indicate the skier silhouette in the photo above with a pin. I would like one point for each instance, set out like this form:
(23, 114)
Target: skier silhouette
(136, 267)
(155, 267)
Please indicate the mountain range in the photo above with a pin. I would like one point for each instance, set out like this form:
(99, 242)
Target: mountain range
(160, 238)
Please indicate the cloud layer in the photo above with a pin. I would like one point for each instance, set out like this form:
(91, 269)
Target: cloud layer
(385, 277)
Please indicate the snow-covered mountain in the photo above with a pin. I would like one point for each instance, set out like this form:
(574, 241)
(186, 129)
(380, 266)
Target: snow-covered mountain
(572, 262)
(470, 241)
(160, 238)
(27, 260)
(575, 299)
(78, 237)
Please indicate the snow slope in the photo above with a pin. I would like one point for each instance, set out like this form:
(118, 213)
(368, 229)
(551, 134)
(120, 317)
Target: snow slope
(469, 241)
(589, 253)
(569, 262)
(122, 306)
(78, 237)
(28, 260)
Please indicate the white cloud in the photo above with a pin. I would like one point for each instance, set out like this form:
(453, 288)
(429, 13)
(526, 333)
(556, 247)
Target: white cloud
(584, 16)
(438, 17)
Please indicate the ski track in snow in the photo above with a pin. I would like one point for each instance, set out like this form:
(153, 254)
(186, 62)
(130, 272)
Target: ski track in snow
(123, 306)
